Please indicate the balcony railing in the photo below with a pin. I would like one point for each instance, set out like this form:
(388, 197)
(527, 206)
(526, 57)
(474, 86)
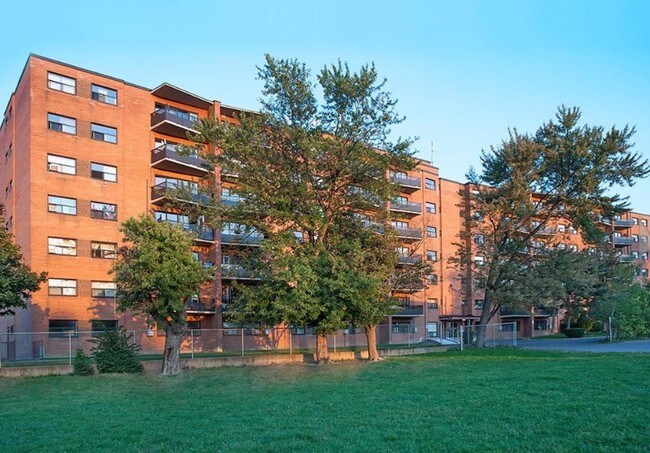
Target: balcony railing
(199, 306)
(623, 240)
(201, 234)
(407, 181)
(406, 206)
(170, 121)
(408, 233)
(232, 238)
(626, 258)
(238, 272)
(410, 309)
(623, 223)
(165, 157)
(171, 191)
(413, 259)
(230, 200)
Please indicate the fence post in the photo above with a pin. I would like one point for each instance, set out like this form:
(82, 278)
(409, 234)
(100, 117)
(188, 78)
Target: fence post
(192, 336)
(242, 342)
(514, 335)
(461, 337)
(609, 327)
(290, 343)
(334, 341)
(70, 348)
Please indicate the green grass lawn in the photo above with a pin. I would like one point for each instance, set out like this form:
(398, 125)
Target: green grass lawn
(487, 400)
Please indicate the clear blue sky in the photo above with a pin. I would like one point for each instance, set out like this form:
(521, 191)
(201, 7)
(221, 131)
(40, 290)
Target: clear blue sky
(463, 71)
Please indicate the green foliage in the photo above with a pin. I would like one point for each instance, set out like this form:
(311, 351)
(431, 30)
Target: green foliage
(114, 352)
(564, 171)
(574, 332)
(17, 281)
(82, 364)
(629, 309)
(312, 166)
(156, 272)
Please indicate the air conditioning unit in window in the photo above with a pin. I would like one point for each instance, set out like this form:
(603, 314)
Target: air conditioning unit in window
(51, 207)
(54, 167)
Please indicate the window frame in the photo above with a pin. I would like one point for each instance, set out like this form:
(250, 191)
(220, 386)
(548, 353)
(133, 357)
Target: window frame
(50, 82)
(101, 256)
(101, 137)
(431, 186)
(101, 292)
(62, 164)
(67, 280)
(102, 172)
(49, 246)
(51, 120)
(99, 96)
(62, 332)
(56, 210)
(102, 215)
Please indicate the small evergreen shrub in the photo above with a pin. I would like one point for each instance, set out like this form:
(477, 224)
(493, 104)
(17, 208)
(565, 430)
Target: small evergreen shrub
(574, 332)
(114, 352)
(82, 364)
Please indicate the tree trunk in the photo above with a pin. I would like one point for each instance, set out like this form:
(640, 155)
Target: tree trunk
(481, 327)
(371, 337)
(171, 356)
(322, 351)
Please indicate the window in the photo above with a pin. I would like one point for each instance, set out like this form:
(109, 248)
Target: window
(479, 261)
(103, 133)
(61, 287)
(104, 172)
(231, 328)
(478, 304)
(479, 239)
(644, 222)
(61, 205)
(298, 330)
(561, 228)
(430, 184)
(432, 330)
(103, 211)
(477, 216)
(432, 304)
(401, 201)
(479, 283)
(194, 327)
(60, 164)
(541, 324)
(401, 327)
(635, 237)
(61, 124)
(432, 232)
(635, 221)
(635, 255)
(61, 83)
(61, 246)
(9, 188)
(431, 208)
(8, 152)
(644, 256)
(103, 94)
(432, 279)
(100, 326)
(561, 246)
(103, 289)
(104, 250)
(432, 255)
(572, 230)
(573, 247)
(644, 239)
(644, 272)
(60, 328)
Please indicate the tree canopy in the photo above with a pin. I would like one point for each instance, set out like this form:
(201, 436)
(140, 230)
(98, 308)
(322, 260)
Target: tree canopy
(17, 281)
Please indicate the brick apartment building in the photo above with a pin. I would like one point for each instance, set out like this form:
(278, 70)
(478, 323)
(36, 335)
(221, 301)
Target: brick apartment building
(84, 151)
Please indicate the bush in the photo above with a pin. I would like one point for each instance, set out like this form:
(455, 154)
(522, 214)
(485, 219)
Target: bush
(115, 353)
(82, 364)
(574, 332)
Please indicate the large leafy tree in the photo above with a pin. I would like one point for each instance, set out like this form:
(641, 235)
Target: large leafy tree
(303, 165)
(564, 171)
(17, 281)
(156, 274)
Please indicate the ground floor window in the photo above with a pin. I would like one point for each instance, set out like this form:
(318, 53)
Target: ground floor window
(432, 330)
(195, 327)
(232, 328)
(99, 326)
(541, 324)
(63, 328)
(509, 327)
(401, 327)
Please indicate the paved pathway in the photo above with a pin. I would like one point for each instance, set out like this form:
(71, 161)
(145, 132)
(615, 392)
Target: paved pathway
(590, 344)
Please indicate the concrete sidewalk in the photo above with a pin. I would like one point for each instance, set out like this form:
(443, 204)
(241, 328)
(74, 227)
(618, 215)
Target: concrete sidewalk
(591, 344)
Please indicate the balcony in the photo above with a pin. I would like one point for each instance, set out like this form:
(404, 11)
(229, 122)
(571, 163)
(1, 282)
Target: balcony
(626, 258)
(233, 238)
(201, 235)
(170, 121)
(408, 233)
(410, 310)
(230, 200)
(165, 192)
(623, 241)
(165, 157)
(623, 224)
(407, 183)
(409, 286)
(237, 272)
(197, 306)
(409, 260)
(406, 207)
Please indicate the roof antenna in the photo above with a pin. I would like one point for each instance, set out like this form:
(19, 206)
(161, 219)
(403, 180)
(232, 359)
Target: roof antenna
(432, 149)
